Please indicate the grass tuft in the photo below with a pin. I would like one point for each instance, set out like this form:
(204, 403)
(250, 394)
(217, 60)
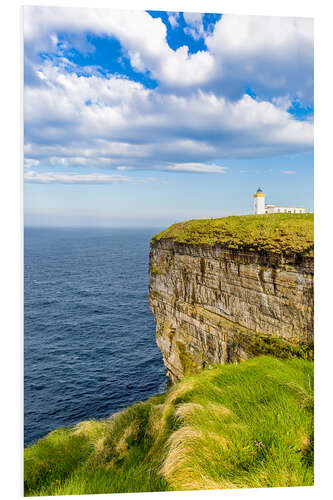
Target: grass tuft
(230, 426)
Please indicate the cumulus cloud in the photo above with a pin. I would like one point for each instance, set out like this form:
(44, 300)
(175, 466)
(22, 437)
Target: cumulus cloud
(273, 54)
(143, 39)
(194, 26)
(198, 116)
(109, 122)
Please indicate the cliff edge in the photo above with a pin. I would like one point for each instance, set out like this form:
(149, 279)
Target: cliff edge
(224, 290)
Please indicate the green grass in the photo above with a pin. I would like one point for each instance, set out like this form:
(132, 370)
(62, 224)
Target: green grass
(230, 426)
(276, 233)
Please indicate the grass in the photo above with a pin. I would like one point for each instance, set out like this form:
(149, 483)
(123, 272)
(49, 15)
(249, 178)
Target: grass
(275, 233)
(230, 426)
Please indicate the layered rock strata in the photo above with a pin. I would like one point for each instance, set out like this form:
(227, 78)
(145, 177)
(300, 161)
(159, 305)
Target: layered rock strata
(217, 305)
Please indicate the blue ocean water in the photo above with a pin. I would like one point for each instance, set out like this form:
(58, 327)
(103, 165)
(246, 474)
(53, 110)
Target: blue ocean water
(89, 336)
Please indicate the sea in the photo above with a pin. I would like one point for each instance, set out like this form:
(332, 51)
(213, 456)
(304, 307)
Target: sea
(89, 336)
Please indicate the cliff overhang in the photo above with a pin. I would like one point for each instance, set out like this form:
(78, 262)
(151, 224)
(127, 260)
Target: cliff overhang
(216, 301)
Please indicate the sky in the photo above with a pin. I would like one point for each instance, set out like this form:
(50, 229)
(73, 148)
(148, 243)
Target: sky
(135, 118)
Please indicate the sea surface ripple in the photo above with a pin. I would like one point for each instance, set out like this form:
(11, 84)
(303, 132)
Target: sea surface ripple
(89, 336)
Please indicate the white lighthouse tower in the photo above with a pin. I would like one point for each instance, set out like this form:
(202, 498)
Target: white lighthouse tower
(259, 202)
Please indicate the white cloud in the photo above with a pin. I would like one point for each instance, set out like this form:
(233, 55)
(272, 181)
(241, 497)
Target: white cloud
(34, 177)
(193, 18)
(143, 38)
(127, 125)
(289, 172)
(282, 102)
(70, 161)
(30, 162)
(197, 116)
(272, 54)
(173, 19)
(197, 167)
(194, 25)
(59, 178)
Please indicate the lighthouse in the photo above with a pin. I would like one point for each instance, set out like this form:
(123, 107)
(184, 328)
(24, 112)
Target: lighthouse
(260, 206)
(259, 202)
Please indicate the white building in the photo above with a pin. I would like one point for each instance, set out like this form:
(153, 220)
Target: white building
(260, 206)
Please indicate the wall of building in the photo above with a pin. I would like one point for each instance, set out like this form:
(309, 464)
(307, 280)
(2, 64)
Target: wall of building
(292, 210)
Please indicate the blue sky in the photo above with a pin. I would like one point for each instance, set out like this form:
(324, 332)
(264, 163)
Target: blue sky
(137, 118)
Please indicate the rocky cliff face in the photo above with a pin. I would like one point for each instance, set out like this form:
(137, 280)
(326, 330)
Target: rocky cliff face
(218, 305)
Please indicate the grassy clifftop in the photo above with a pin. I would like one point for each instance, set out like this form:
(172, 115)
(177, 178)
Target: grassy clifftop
(277, 233)
(231, 426)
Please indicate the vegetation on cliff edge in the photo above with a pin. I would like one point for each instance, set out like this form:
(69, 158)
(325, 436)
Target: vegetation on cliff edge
(276, 233)
(230, 426)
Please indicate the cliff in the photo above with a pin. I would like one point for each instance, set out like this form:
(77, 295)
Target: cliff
(225, 290)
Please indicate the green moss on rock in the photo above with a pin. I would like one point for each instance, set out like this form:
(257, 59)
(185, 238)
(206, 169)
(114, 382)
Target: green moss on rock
(257, 344)
(156, 269)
